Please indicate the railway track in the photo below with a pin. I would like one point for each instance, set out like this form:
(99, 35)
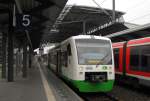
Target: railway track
(118, 93)
(129, 94)
(138, 88)
(99, 97)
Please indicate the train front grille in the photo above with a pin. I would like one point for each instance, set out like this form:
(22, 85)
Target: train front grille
(96, 76)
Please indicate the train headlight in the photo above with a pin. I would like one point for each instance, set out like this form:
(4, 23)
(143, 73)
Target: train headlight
(81, 68)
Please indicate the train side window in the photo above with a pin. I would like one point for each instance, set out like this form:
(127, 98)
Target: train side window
(69, 50)
(135, 58)
(116, 58)
(145, 58)
(64, 58)
(53, 59)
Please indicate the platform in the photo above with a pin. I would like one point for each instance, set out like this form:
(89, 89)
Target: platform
(30, 89)
(40, 85)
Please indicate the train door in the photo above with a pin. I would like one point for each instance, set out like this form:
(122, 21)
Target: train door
(49, 60)
(124, 66)
(59, 62)
(116, 57)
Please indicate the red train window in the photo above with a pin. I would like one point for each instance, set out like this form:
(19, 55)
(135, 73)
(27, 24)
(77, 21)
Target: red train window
(140, 58)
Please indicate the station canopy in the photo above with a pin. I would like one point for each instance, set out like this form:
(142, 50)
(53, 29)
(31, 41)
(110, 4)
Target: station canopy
(75, 20)
(129, 34)
(43, 13)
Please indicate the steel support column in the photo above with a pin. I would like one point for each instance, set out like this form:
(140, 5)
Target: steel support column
(10, 58)
(84, 27)
(24, 70)
(10, 76)
(114, 15)
(4, 40)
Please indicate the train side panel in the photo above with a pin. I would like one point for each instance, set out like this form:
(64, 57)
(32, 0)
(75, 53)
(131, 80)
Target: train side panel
(69, 69)
(137, 60)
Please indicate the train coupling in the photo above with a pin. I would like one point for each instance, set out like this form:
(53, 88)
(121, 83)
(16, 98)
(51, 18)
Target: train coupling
(96, 77)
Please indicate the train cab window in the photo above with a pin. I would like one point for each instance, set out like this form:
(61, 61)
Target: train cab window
(135, 58)
(69, 50)
(145, 58)
(116, 58)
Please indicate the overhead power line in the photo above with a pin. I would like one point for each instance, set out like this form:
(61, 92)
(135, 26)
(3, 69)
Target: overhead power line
(103, 9)
(103, 2)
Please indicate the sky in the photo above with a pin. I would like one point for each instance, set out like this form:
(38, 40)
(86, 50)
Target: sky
(136, 11)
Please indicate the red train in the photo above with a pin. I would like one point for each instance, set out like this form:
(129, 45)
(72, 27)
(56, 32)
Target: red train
(132, 60)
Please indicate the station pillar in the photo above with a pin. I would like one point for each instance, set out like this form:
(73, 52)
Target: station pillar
(24, 69)
(10, 57)
(4, 46)
(10, 76)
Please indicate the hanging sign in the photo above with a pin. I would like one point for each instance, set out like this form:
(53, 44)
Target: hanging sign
(23, 21)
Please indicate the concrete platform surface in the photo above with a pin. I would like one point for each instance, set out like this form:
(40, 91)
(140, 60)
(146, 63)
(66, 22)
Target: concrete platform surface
(30, 89)
(40, 85)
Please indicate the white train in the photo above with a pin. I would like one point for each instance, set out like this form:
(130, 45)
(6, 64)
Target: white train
(85, 61)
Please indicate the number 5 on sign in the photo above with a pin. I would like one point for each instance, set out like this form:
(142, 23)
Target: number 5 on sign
(23, 21)
(26, 20)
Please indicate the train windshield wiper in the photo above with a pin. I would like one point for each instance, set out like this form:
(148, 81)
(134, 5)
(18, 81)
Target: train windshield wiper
(101, 61)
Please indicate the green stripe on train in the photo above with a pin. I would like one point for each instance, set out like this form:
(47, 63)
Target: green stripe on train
(85, 86)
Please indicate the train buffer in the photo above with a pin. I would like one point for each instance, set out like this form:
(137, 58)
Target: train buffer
(40, 85)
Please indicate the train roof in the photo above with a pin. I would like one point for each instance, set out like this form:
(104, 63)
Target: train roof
(90, 37)
(86, 37)
(133, 42)
(138, 28)
(79, 37)
(139, 41)
(118, 44)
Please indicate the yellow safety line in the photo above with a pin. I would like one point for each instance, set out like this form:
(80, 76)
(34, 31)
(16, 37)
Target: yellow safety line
(50, 96)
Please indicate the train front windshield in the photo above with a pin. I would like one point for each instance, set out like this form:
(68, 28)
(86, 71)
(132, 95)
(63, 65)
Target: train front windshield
(94, 52)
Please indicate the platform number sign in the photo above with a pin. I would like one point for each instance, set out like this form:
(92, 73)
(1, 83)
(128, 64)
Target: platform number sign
(23, 21)
(26, 20)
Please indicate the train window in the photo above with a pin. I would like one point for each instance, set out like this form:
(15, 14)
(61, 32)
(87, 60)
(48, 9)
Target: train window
(135, 58)
(69, 50)
(53, 59)
(140, 58)
(145, 58)
(116, 57)
(64, 58)
(49, 58)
